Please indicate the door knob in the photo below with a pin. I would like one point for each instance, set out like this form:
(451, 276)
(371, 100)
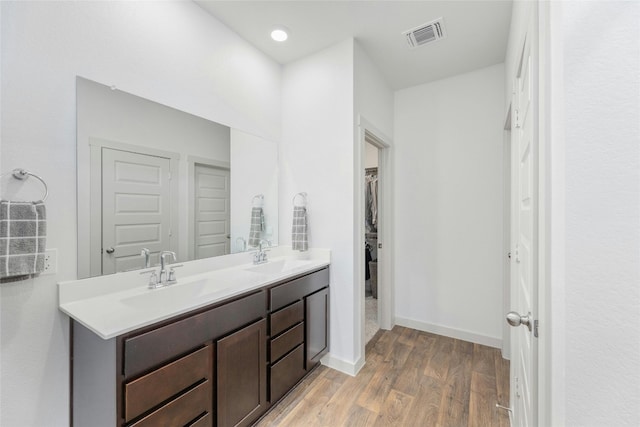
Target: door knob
(515, 319)
(110, 250)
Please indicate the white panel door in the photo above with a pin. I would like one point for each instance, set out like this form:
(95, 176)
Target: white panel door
(135, 208)
(212, 213)
(524, 279)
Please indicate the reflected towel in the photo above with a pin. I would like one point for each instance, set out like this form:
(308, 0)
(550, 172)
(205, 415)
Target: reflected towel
(257, 226)
(299, 239)
(23, 232)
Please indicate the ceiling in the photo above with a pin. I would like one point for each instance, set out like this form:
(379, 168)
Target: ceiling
(476, 30)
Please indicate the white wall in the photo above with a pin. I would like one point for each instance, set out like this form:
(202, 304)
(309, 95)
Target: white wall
(169, 52)
(373, 97)
(448, 206)
(602, 205)
(316, 156)
(254, 171)
(370, 156)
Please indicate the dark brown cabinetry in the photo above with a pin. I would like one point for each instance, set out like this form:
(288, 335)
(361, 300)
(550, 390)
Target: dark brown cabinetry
(299, 330)
(168, 375)
(286, 349)
(171, 380)
(242, 375)
(317, 315)
(223, 365)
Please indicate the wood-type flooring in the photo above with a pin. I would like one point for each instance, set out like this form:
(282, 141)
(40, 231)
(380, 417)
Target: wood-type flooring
(411, 378)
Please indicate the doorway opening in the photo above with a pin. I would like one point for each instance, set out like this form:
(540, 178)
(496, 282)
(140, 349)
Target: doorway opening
(371, 197)
(376, 242)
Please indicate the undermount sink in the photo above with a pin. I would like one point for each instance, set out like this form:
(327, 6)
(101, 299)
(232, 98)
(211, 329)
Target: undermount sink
(280, 266)
(176, 294)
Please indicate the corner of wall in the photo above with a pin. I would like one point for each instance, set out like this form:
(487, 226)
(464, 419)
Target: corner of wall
(316, 156)
(349, 368)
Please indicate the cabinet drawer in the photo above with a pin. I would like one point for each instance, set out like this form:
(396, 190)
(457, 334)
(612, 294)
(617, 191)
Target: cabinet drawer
(181, 411)
(156, 387)
(286, 318)
(150, 349)
(287, 372)
(282, 295)
(205, 421)
(287, 341)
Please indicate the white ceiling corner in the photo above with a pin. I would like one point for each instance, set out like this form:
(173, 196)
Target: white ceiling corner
(477, 32)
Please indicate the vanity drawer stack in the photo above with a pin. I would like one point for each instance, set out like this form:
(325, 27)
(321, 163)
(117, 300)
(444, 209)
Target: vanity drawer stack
(185, 386)
(286, 353)
(289, 331)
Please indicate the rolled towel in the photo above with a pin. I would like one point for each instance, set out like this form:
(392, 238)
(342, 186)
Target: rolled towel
(257, 226)
(23, 232)
(299, 238)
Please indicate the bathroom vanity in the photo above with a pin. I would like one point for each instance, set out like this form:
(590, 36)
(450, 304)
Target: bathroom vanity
(224, 363)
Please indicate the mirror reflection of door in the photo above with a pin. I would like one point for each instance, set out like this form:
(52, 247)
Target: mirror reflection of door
(212, 211)
(135, 208)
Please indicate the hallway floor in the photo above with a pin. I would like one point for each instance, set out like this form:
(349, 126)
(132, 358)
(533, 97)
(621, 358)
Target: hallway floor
(411, 378)
(371, 326)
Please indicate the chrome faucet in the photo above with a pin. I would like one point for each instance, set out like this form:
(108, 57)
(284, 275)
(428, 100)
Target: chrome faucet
(166, 276)
(260, 256)
(146, 254)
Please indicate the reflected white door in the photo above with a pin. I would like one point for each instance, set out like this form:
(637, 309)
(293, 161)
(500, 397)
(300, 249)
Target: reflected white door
(135, 208)
(212, 211)
(524, 276)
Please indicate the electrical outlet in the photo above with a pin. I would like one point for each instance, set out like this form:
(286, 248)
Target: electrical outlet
(50, 261)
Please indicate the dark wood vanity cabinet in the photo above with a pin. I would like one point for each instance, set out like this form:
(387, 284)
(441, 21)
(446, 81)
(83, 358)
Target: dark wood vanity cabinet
(184, 384)
(317, 332)
(242, 375)
(224, 365)
(286, 349)
(299, 330)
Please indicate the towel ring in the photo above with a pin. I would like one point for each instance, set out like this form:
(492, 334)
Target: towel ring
(304, 198)
(260, 198)
(22, 174)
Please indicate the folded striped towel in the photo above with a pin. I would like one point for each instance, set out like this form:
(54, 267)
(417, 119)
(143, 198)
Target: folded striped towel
(299, 238)
(23, 232)
(257, 226)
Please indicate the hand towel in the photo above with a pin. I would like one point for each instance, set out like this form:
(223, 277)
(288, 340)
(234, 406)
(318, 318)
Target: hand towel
(257, 226)
(299, 239)
(23, 232)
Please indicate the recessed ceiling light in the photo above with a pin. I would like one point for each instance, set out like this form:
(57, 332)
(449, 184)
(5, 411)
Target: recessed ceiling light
(280, 34)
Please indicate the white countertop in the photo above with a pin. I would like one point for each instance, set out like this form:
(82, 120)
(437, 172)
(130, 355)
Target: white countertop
(114, 304)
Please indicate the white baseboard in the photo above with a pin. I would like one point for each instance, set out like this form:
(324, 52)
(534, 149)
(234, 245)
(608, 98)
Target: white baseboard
(450, 332)
(342, 365)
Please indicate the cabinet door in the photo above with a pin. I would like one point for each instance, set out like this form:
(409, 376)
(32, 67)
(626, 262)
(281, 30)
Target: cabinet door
(317, 324)
(242, 375)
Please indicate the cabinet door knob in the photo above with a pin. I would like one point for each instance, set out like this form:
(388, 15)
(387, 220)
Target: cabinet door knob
(110, 250)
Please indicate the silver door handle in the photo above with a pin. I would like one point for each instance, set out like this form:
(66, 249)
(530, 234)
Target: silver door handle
(515, 319)
(110, 250)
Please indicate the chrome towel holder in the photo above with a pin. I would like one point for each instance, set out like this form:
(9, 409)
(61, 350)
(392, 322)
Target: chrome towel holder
(22, 174)
(304, 198)
(260, 198)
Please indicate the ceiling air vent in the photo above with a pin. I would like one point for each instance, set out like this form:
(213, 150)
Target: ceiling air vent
(426, 33)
